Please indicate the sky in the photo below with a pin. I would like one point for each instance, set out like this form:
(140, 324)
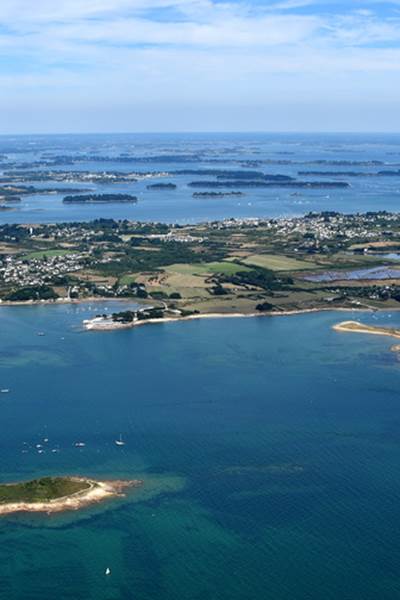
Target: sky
(199, 65)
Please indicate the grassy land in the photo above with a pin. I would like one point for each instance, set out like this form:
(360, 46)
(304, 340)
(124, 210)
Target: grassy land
(47, 253)
(128, 278)
(41, 490)
(278, 263)
(225, 268)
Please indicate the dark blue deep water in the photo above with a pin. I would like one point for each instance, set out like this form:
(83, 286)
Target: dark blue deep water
(269, 448)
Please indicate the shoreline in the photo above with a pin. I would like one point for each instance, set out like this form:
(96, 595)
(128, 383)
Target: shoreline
(97, 492)
(112, 326)
(108, 325)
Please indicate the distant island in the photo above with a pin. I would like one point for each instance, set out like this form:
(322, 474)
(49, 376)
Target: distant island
(99, 199)
(13, 193)
(10, 198)
(215, 194)
(56, 494)
(349, 173)
(162, 186)
(258, 183)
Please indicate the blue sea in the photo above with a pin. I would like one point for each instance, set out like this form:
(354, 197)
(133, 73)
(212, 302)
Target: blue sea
(287, 154)
(269, 447)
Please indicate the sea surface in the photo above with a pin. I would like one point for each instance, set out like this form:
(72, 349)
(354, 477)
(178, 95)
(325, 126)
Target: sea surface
(286, 154)
(269, 449)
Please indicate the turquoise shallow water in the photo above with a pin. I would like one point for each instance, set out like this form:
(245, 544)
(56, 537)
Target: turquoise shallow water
(269, 447)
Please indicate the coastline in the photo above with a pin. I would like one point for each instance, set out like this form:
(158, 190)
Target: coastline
(97, 492)
(112, 326)
(108, 325)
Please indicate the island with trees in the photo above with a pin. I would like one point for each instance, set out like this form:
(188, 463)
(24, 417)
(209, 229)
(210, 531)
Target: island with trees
(267, 183)
(216, 195)
(56, 494)
(162, 186)
(100, 199)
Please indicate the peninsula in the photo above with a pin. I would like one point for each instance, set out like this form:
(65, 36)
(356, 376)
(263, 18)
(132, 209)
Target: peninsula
(56, 494)
(356, 327)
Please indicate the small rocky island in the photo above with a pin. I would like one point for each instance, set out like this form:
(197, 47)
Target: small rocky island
(100, 199)
(56, 494)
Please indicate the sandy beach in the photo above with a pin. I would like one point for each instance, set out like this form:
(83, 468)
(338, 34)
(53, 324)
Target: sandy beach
(356, 327)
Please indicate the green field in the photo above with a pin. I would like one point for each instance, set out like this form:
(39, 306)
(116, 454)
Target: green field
(128, 278)
(47, 253)
(277, 262)
(225, 268)
(41, 490)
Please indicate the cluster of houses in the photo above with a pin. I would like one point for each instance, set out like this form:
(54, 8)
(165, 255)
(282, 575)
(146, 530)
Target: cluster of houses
(322, 226)
(16, 270)
(179, 237)
(330, 226)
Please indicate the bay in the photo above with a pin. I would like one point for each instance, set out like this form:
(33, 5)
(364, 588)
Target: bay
(269, 450)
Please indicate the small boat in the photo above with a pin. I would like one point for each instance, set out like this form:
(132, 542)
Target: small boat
(120, 442)
(80, 444)
(5, 391)
(108, 571)
(40, 333)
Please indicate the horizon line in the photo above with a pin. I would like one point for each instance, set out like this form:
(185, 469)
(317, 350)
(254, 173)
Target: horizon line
(196, 132)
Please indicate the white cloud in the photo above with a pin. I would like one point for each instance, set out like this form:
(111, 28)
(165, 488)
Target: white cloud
(194, 51)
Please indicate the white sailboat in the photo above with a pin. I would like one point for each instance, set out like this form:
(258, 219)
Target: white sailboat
(120, 442)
